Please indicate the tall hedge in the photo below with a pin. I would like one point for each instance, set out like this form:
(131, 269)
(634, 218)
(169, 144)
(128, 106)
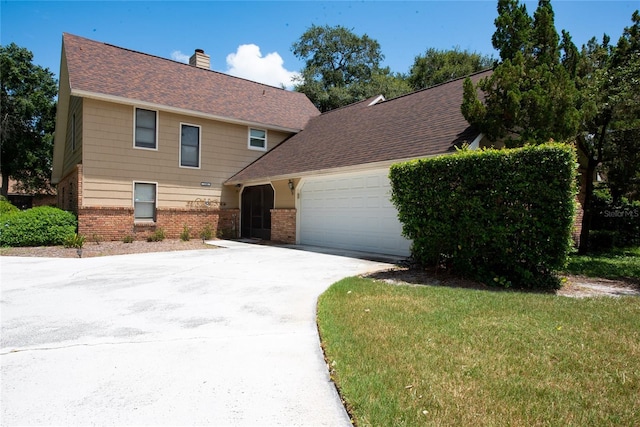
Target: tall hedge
(499, 216)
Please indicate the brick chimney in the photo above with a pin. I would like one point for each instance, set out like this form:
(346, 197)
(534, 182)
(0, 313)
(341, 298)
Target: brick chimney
(200, 59)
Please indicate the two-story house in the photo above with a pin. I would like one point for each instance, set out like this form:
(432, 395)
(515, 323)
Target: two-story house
(145, 142)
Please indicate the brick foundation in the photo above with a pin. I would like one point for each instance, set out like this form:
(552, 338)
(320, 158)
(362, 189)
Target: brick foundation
(283, 225)
(112, 223)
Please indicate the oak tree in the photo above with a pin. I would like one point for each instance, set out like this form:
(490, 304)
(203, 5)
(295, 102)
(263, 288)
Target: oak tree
(28, 120)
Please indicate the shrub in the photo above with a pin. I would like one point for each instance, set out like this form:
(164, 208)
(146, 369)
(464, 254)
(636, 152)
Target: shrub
(128, 239)
(185, 234)
(157, 236)
(500, 216)
(40, 226)
(206, 233)
(6, 207)
(74, 241)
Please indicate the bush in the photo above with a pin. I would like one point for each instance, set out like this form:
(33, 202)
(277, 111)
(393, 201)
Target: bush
(40, 226)
(74, 241)
(128, 239)
(503, 217)
(185, 234)
(206, 233)
(157, 236)
(6, 207)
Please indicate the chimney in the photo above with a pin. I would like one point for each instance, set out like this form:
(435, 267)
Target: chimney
(200, 59)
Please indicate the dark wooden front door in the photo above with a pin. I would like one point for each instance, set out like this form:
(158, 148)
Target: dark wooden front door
(257, 203)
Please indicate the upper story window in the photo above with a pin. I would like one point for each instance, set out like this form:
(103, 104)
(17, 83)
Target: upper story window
(257, 139)
(189, 146)
(146, 125)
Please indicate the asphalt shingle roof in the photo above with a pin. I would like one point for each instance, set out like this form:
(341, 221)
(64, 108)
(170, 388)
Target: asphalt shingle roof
(420, 124)
(100, 68)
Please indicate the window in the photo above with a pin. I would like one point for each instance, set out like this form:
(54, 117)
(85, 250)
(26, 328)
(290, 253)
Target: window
(189, 146)
(144, 201)
(145, 134)
(257, 139)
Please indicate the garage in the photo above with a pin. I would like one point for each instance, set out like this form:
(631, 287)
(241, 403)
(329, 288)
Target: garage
(351, 211)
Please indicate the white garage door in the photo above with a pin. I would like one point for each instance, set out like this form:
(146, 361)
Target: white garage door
(351, 211)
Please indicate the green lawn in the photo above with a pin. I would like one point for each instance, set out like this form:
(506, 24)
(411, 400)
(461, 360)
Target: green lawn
(620, 263)
(438, 356)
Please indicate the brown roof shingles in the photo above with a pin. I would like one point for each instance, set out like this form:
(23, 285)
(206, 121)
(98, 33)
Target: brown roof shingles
(420, 124)
(109, 70)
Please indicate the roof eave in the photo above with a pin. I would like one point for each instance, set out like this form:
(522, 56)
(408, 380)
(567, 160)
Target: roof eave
(328, 171)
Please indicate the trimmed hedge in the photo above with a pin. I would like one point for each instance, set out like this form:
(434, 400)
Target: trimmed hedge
(503, 217)
(40, 226)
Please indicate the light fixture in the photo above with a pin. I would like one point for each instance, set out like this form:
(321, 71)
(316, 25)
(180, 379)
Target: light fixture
(291, 186)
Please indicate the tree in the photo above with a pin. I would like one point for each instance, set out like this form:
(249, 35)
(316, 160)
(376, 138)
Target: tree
(384, 82)
(609, 82)
(513, 26)
(439, 66)
(545, 88)
(530, 97)
(623, 166)
(337, 65)
(28, 120)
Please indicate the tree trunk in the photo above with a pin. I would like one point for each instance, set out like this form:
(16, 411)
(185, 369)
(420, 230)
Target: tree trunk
(586, 206)
(5, 185)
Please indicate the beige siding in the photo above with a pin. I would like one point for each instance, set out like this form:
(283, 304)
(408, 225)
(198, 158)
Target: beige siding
(73, 156)
(112, 164)
(283, 197)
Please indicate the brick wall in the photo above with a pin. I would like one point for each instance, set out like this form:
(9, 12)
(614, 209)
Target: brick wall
(105, 223)
(580, 198)
(577, 223)
(173, 220)
(112, 223)
(283, 225)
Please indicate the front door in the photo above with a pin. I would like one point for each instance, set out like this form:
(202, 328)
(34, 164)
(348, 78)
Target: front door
(257, 203)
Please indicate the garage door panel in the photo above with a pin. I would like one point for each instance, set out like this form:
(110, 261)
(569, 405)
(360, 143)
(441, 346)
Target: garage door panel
(351, 212)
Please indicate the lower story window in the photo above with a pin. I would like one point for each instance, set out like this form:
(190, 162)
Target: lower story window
(144, 197)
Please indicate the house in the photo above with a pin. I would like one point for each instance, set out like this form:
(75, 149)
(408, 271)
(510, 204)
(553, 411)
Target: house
(144, 142)
(338, 166)
(22, 199)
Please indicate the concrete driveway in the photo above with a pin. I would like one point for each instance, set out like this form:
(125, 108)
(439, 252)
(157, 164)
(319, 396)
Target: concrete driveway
(213, 337)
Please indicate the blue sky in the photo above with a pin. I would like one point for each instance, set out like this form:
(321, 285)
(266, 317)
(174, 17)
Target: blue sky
(253, 39)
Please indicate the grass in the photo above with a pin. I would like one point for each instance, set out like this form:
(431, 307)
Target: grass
(617, 264)
(437, 356)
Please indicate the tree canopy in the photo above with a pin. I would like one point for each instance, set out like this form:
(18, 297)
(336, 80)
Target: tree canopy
(530, 97)
(28, 120)
(438, 66)
(338, 65)
(545, 88)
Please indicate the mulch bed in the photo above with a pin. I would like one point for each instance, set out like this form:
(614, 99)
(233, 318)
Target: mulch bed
(93, 249)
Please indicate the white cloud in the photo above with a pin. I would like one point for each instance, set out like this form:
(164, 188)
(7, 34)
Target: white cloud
(247, 62)
(176, 55)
